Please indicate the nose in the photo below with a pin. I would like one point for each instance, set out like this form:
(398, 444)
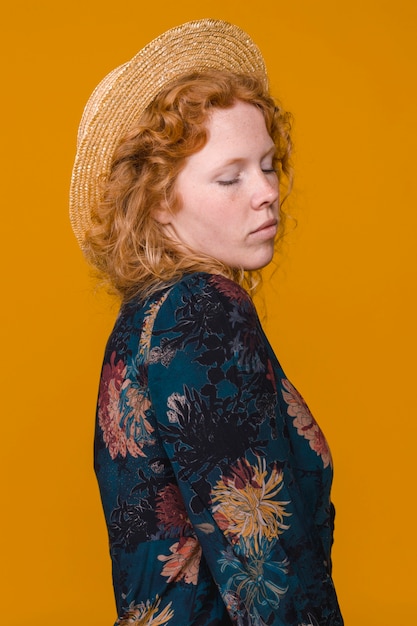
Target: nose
(266, 190)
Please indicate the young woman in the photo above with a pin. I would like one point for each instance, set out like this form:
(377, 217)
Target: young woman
(214, 476)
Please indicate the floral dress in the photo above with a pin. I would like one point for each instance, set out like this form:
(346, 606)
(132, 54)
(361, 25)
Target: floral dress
(214, 476)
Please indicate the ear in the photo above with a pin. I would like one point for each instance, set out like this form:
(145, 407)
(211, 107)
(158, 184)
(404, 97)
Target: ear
(162, 215)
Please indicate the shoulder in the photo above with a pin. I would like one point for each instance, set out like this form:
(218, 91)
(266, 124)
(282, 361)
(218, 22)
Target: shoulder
(208, 299)
(207, 318)
(214, 284)
(207, 290)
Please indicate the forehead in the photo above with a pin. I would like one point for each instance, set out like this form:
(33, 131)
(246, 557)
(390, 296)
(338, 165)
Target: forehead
(240, 128)
(240, 116)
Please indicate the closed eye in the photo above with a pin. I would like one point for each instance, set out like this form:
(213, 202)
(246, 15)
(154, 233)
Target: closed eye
(228, 182)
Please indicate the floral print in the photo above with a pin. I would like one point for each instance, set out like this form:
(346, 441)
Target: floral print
(305, 423)
(217, 508)
(250, 584)
(184, 561)
(170, 509)
(122, 412)
(247, 507)
(146, 614)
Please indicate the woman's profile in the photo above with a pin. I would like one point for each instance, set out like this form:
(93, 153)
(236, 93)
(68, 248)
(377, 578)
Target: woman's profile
(214, 476)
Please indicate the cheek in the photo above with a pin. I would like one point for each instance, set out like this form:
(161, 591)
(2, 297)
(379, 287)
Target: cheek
(202, 209)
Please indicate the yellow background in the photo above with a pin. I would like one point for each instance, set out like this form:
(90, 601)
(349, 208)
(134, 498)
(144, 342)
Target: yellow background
(341, 309)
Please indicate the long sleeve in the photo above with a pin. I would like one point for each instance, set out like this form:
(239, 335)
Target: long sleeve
(213, 387)
(214, 476)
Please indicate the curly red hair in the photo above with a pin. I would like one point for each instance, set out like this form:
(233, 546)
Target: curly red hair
(126, 243)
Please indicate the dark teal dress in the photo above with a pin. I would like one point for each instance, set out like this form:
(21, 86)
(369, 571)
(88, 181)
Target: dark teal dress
(214, 476)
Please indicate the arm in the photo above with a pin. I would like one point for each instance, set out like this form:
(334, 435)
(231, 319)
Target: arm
(213, 392)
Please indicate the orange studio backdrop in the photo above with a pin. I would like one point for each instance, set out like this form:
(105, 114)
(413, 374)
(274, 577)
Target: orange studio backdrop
(341, 308)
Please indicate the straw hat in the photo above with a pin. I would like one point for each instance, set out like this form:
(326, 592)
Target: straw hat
(122, 96)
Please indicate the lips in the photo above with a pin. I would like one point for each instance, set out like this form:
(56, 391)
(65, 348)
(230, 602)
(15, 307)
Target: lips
(269, 224)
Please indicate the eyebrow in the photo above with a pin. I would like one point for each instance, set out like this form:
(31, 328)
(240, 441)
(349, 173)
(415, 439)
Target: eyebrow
(239, 160)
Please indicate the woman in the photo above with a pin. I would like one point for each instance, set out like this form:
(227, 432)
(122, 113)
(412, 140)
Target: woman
(214, 476)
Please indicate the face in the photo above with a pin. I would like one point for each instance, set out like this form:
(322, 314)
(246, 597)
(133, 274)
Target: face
(229, 191)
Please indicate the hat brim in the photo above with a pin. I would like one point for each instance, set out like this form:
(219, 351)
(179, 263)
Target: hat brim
(122, 96)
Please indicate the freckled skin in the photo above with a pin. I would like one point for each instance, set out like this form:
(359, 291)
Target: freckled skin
(229, 191)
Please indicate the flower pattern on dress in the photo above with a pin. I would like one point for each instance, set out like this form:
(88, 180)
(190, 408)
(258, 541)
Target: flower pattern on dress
(246, 506)
(111, 383)
(207, 485)
(255, 581)
(146, 614)
(230, 289)
(122, 412)
(171, 510)
(305, 423)
(195, 420)
(184, 562)
(148, 323)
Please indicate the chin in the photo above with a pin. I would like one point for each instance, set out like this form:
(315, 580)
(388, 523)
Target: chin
(260, 264)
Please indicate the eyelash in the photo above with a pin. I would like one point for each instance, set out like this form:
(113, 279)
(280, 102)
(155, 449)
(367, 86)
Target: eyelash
(225, 183)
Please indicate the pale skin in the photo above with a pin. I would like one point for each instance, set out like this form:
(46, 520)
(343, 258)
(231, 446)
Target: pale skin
(229, 192)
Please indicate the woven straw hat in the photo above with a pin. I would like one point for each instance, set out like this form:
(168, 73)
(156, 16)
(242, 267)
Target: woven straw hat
(122, 96)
